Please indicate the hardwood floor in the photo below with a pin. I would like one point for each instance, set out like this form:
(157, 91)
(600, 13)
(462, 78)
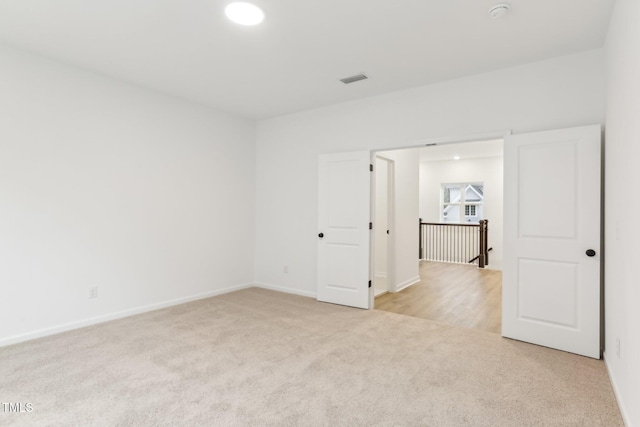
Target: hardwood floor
(457, 294)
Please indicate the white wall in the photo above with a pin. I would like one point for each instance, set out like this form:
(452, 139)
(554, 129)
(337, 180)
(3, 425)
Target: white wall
(104, 184)
(405, 218)
(622, 154)
(486, 170)
(556, 93)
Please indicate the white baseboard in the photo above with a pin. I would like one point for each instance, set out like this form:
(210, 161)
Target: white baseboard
(407, 283)
(616, 392)
(285, 290)
(117, 315)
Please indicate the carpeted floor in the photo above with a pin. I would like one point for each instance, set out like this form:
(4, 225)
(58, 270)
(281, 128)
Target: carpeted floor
(261, 358)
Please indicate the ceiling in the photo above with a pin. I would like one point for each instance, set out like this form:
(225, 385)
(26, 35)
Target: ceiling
(463, 151)
(294, 60)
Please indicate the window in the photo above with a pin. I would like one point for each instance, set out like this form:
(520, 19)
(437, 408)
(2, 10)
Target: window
(469, 210)
(462, 203)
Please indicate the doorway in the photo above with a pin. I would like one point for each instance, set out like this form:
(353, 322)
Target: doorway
(551, 283)
(451, 291)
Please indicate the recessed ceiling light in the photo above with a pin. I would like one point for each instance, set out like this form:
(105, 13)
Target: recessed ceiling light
(244, 13)
(456, 157)
(499, 10)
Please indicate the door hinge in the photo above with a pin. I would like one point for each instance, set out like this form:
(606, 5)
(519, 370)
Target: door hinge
(370, 167)
(370, 226)
(369, 283)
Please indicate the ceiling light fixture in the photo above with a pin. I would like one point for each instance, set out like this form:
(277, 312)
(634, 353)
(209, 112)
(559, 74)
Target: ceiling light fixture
(244, 13)
(456, 157)
(499, 10)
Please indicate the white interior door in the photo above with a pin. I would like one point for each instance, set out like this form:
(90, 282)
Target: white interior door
(381, 229)
(551, 279)
(343, 228)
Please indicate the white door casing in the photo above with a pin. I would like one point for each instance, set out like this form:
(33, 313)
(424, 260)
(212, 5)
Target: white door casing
(343, 222)
(550, 286)
(383, 213)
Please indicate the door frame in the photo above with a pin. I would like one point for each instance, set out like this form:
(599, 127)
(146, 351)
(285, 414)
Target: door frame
(477, 137)
(390, 223)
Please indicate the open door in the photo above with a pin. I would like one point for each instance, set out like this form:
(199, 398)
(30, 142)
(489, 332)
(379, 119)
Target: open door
(343, 228)
(551, 276)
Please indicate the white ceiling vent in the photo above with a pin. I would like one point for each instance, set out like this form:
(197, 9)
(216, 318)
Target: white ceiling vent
(354, 79)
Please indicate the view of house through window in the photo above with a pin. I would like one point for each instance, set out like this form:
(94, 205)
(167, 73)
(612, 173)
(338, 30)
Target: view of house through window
(462, 203)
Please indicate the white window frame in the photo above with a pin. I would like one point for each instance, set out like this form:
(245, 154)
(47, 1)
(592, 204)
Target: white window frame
(462, 203)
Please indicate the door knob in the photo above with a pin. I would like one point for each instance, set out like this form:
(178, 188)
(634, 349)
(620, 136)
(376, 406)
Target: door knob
(590, 252)
(321, 235)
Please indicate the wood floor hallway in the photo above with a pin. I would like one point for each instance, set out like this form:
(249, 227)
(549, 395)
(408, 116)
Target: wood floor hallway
(456, 294)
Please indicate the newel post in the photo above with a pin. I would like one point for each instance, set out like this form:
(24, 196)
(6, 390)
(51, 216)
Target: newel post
(483, 260)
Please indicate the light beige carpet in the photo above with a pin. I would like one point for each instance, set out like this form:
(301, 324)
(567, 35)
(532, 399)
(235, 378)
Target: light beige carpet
(261, 358)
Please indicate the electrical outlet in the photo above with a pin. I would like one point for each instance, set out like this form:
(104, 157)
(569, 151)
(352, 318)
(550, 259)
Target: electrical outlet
(93, 292)
(618, 347)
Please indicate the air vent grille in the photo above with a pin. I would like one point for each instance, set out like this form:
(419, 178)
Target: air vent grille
(354, 79)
